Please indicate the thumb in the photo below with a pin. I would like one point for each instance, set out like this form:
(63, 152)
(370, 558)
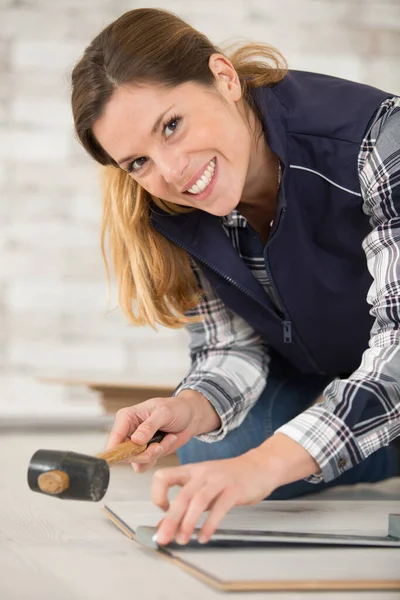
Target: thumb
(121, 429)
(146, 430)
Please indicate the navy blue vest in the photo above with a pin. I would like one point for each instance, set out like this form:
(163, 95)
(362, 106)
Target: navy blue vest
(315, 124)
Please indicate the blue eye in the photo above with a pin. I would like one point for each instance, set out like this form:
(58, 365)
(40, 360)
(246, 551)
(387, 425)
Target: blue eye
(169, 128)
(172, 125)
(136, 164)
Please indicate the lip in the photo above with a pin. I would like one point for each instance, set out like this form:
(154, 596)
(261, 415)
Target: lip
(195, 177)
(205, 193)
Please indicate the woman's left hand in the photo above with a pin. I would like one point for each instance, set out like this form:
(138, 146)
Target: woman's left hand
(216, 486)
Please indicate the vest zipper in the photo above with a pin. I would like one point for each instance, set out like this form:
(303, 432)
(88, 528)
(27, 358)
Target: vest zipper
(272, 289)
(286, 325)
(287, 332)
(221, 273)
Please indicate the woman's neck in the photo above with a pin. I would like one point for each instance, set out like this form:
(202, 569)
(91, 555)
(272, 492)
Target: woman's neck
(259, 198)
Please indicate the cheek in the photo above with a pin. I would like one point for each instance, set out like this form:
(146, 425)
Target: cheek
(152, 184)
(158, 188)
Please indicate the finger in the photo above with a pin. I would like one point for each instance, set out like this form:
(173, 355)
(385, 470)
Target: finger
(221, 506)
(177, 511)
(146, 430)
(154, 451)
(166, 446)
(143, 468)
(164, 479)
(124, 424)
(201, 501)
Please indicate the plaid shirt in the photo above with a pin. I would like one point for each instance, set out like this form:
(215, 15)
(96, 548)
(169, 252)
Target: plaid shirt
(230, 360)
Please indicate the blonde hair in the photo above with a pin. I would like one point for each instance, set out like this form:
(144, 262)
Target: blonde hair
(151, 271)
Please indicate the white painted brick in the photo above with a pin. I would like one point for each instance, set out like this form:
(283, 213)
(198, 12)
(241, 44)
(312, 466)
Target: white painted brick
(218, 29)
(43, 355)
(227, 8)
(302, 11)
(381, 14)
(345, 41)
(35, 54)
(152, 364)
(33, 325)
(4, 112)
(44, 83)
(35, 203)
(33, 23)
(23, 264)
(22, 394)
(59, 297)
(87, 208)
(4, 239)
(45, 112)
(383, 73)
(5, 85)
(386, 43)
(345, 66)
(4, 54)
(33, 146)
(51, 264)
(3, 174)
(62, 178)
(53, 289)
(85, 25)
(65, 5)
(52, 233)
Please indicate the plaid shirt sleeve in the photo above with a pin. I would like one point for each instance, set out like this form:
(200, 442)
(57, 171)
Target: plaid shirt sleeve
(361, 414)
(229, 361)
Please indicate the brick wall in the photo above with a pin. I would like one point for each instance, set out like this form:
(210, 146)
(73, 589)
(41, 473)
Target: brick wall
(53, 312)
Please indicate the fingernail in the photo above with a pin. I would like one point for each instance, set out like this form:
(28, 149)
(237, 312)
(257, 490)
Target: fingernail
(158, 450)
(138, 436)
(173, 438)
(181, 539)
(202, 539)
(160, 538)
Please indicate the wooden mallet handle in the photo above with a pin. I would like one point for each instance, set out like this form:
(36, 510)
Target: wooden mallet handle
(128, 448)
(121, 451)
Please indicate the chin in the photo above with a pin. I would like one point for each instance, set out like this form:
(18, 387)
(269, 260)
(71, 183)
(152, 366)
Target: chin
(224, 208)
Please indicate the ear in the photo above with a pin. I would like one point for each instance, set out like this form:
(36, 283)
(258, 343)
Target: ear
(226, 77)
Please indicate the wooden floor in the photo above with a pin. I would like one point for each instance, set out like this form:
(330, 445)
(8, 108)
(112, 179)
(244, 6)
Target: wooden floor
(53, 549)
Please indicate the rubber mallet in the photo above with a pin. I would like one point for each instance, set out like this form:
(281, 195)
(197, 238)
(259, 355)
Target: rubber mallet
(73, 476)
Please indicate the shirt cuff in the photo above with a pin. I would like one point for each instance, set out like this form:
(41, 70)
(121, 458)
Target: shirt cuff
(328, 439)
(218, 401)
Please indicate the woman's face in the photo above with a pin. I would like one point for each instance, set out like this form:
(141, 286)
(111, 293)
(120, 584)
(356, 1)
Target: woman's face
(188, 145)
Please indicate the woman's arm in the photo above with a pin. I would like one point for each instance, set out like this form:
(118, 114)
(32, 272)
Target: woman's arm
(229, 362)
(359, 415)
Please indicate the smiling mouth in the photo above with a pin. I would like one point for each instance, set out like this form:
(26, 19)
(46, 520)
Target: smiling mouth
(204, 181)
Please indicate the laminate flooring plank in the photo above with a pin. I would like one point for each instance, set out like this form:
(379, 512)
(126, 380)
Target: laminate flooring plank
(58, 550)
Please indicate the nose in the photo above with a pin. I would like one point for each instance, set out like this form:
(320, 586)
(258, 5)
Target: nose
(172, 167)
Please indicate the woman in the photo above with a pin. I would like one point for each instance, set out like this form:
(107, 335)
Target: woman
(242, 201)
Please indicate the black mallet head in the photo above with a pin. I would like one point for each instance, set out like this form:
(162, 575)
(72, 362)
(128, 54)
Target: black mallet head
(68, 475)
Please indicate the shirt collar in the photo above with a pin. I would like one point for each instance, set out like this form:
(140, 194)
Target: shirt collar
(234, 219)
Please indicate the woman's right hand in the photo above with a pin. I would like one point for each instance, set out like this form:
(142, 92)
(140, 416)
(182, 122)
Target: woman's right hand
(181, 417)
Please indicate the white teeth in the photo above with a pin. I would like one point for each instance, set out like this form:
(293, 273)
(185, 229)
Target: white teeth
(204, 180)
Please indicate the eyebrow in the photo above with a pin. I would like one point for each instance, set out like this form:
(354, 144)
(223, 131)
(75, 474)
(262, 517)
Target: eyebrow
(153, 131)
